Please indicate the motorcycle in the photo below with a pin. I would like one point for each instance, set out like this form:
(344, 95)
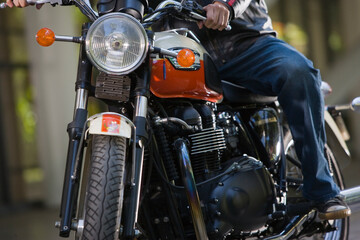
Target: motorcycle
(180, 154)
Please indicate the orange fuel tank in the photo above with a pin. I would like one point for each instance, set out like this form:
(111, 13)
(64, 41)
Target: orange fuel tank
(170, 80)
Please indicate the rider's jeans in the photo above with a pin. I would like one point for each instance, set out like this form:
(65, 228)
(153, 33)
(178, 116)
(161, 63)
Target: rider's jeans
(272, 67)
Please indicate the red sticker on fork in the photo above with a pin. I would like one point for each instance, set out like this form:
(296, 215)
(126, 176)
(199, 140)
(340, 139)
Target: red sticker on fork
(110, 123)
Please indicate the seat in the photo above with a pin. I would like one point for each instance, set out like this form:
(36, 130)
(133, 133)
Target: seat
(234, 93)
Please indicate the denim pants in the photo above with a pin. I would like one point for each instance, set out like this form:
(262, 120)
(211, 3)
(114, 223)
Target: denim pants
(274, 68)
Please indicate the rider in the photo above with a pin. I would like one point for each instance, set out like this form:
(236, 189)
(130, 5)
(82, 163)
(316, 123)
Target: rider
(250, 55)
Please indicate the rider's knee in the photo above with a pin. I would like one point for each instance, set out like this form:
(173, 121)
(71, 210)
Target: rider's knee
(300, 72)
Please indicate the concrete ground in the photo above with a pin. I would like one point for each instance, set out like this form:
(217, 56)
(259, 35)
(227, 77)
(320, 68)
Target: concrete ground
(38, 224)
(28, 223)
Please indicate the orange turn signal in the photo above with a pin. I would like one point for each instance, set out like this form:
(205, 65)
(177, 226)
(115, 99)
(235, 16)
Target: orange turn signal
(45, 37)
(185, 57)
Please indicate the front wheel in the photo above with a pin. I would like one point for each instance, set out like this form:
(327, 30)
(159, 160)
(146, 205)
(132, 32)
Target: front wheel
(105, 188)
(294, 178)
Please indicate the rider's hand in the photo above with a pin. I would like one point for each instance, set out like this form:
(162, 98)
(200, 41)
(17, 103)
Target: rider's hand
(20, 3)
(217, 16)
(16, 3)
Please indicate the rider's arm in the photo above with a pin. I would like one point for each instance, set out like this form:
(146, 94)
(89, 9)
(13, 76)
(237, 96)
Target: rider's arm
(236, 7)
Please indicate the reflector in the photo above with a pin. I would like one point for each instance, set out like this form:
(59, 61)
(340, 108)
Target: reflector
(185, 57)
(45, 37)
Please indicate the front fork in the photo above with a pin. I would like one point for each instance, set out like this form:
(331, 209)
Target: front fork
(140, 138)
(75, 130)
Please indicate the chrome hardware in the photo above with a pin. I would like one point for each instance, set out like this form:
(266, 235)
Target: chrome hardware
(81, 99)
(191, 190)
(352, 197)
(207, 140)
(174, 120)
(141, 106)
(57, 224)
(355, 104)
(80, 227)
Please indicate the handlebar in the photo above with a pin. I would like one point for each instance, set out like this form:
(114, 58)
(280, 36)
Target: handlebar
(189, 10)
(83, 5)
(200, 17)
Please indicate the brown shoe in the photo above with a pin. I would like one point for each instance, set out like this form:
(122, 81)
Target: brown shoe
(334, 208)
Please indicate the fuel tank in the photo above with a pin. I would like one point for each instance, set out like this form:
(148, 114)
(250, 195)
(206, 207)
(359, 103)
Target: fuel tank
(170, 80)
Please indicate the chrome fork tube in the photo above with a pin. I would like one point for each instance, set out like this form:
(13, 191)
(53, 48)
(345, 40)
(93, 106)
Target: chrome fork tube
(141, 104)
(191, 191)
(81, 99)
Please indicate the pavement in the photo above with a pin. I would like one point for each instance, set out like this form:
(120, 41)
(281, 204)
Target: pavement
(38, 224)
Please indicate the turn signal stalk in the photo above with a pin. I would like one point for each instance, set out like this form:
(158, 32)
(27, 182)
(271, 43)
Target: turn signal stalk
(46, 37)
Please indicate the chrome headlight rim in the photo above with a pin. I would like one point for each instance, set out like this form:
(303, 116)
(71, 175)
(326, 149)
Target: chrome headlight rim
(122, 71)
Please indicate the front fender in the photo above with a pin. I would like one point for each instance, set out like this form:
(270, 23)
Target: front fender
(336, 141)
(110, 123)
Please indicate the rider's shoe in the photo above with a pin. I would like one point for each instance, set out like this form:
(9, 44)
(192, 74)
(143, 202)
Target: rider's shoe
(335, 208)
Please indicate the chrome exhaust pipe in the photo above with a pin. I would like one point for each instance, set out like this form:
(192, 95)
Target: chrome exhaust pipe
(191, 190)
(352, 198)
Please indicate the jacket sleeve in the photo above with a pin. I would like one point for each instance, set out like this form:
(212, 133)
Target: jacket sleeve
(236, 7)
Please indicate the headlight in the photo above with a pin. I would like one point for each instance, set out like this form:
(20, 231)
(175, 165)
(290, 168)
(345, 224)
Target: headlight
(116, 43)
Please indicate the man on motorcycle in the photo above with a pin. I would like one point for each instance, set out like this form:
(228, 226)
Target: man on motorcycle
(250, 55)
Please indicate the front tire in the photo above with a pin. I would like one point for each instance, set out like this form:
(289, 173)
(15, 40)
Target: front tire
(105, 188)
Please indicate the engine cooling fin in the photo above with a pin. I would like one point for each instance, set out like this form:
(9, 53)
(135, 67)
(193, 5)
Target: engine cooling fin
(207, 140)
(205, 151)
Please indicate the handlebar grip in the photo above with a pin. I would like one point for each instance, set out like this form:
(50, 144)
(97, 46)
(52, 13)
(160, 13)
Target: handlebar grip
(200, 14)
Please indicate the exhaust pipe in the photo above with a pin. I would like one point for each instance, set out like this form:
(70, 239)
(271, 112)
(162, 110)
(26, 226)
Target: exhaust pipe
(352, 198)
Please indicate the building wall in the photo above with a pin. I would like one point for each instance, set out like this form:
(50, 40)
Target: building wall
(53, 74)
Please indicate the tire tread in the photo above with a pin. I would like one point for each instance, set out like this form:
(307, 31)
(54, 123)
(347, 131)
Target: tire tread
(104, 186)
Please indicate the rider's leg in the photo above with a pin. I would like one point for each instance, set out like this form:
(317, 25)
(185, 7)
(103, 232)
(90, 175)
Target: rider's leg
(272, 67)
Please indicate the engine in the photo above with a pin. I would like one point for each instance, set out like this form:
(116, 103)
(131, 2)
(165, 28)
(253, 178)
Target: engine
(236, 190)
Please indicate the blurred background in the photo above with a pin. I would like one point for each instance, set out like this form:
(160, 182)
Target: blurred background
(37, 97)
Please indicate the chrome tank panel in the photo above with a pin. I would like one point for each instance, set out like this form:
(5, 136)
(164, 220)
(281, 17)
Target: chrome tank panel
(177, 38)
